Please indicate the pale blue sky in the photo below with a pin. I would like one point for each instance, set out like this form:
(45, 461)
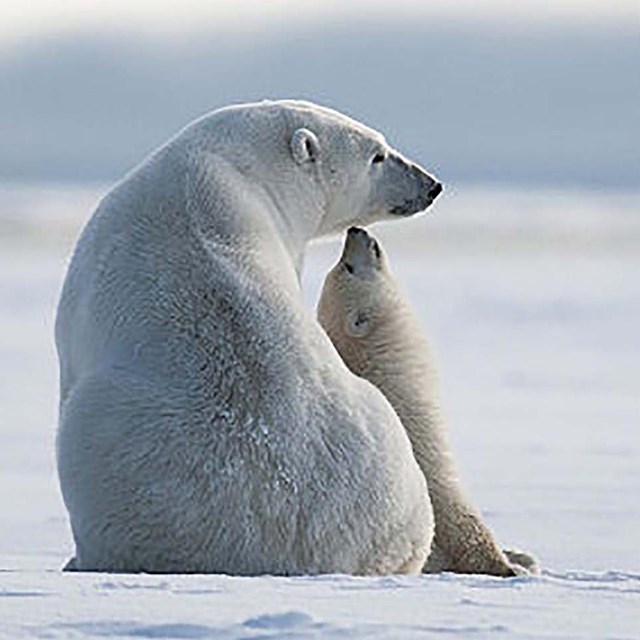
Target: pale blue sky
(535, 92)
(28, 19)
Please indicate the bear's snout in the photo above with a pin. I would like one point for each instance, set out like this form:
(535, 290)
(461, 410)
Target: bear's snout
(414, 189)
(435, 191)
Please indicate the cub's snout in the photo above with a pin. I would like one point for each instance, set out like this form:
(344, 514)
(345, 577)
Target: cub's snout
(362, 255)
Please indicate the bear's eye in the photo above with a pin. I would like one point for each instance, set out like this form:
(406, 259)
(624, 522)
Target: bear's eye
(348, 267)
(379, 157)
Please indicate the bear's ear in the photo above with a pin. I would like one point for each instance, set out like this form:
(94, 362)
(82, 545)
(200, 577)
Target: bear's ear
(358, 323)
(304, 146)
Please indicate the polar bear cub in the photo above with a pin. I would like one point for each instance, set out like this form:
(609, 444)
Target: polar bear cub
(374, 330)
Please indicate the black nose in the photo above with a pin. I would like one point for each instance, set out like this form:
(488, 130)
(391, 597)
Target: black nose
(435, 191)
(355, 231)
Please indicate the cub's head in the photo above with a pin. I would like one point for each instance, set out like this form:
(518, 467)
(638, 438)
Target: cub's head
(359, 297)
(362, 178)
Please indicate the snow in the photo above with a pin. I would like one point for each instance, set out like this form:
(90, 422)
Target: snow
(53, 605)
(531, 300)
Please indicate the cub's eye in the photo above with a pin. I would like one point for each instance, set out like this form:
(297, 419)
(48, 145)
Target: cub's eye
(379, 157)
(348, 267)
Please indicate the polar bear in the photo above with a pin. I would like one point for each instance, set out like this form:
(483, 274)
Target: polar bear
(373, 328)
(207, 423)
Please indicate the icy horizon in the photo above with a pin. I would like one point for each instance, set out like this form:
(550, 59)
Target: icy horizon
(526, 104)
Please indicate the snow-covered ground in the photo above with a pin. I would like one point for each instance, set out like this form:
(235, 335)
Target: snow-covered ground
(532, 302)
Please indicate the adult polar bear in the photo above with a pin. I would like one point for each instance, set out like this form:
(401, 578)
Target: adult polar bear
(207, 424)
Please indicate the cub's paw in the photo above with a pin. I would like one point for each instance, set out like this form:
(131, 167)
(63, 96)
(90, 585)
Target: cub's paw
(523, 563)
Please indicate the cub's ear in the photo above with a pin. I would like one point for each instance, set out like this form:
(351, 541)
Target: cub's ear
(304, 146)
(358, 323)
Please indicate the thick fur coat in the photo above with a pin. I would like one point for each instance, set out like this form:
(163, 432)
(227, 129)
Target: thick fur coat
(375, 331)
(207, 424)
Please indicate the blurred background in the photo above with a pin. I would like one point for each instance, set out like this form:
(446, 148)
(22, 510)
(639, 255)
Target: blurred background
(526, 276)
(537, 93)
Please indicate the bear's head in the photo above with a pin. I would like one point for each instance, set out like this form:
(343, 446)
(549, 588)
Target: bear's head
(362, 178)
(321, 165)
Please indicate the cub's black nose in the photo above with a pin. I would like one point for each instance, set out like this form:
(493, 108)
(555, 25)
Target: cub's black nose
(435, 191)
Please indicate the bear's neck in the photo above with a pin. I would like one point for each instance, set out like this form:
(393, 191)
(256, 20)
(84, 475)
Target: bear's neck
(278, 219)
(406, 376)
(398, 361)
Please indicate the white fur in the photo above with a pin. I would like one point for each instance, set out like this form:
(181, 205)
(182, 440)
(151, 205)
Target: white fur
(373, 328)
(207, 424)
